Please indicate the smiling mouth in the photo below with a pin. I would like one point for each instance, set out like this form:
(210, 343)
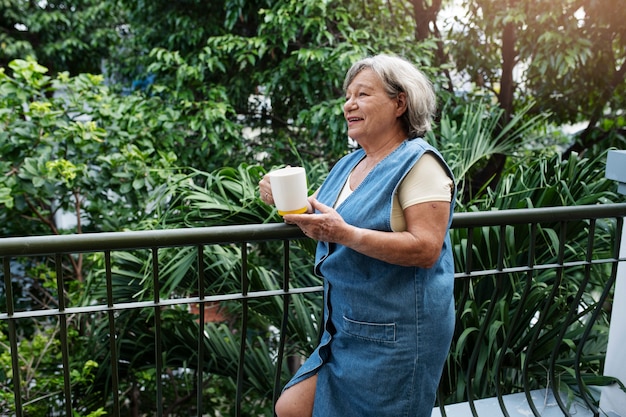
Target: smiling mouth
(354, 119)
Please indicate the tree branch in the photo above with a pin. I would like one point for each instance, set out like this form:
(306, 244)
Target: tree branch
(585, 140)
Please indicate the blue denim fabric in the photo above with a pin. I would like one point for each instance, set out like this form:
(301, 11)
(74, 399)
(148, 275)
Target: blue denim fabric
(387, 328)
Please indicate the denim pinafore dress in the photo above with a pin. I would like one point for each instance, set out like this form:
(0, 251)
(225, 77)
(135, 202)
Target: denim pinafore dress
(387, 328)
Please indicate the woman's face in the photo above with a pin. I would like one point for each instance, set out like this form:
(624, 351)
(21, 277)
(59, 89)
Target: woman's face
(369, 111)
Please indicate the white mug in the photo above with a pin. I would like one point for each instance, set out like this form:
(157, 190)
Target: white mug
(289, 189)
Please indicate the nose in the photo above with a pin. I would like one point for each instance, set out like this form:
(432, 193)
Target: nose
(349, 103)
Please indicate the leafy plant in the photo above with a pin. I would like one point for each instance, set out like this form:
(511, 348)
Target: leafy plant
(42, 385)
(469, 134)
(226, 196)
(509, 323)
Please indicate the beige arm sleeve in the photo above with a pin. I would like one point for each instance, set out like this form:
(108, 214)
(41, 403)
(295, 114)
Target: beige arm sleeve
(428, 180)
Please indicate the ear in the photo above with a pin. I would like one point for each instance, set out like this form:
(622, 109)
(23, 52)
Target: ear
(401, 104)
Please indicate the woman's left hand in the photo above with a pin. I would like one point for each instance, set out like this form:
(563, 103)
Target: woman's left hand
(419, 245)
(327, 225)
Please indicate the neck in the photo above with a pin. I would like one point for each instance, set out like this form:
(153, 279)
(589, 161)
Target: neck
(380, 149)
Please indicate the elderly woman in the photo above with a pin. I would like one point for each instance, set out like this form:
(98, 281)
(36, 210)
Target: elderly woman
(381, 219)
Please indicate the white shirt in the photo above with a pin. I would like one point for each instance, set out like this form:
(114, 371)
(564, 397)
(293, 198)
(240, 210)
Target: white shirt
(428, 180)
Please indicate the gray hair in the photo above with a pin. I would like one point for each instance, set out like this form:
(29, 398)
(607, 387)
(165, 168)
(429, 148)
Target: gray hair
(399, 75)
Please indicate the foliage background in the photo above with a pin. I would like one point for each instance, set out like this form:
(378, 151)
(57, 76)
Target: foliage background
(130, 115)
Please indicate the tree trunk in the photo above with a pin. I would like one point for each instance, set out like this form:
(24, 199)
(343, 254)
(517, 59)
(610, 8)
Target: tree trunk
(425, 17)
(509, 56)
(491, 173)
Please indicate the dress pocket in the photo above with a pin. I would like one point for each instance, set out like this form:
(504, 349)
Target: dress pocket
(376, 332)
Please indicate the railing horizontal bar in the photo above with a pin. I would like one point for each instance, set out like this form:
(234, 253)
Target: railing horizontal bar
(92, 242)
(538, 215)
(510, 270)
(161, 303)
(88, 242)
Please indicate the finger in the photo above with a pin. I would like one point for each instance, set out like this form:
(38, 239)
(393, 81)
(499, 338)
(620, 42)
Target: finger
(266, 194)
(265, 190)
(291, 218)
(321, 207)
(265, 180)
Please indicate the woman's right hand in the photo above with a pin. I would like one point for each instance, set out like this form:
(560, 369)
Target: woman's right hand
(265, 190)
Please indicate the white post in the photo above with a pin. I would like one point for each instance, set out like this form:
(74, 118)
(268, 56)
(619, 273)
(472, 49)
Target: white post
(613, 399)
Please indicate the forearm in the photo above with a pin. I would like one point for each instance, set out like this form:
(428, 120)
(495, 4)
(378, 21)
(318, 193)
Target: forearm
(420, 245)
(399, 248)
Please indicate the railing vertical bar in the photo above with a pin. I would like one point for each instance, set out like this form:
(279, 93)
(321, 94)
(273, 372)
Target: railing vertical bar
(507, 340)
(65, 356)
(158, 348)
(582, 387)
(115, 385)
(598, 310)
(201, 324)
(440, 400)
(283, 323)
(15, 362)
(483, 328)
(539, 325)
(469, 254)
(466, 283)
(555, 352)
(574, 305)
(244, 327)
(469, 250)
(497, 291)
(469, 257)
(464, 293)
(529, 283)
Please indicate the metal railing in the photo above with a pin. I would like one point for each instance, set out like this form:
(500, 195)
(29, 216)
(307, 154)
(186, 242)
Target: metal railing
(505, 261)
